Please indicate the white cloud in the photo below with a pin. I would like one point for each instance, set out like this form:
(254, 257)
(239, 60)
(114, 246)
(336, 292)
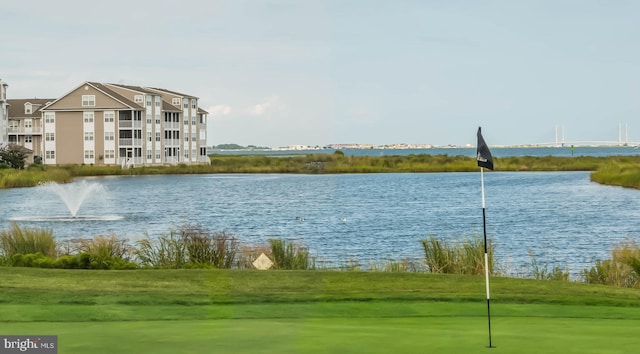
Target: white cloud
(272, 104)
(219, 110)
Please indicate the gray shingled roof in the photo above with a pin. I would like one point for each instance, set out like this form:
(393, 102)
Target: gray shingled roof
(168, 107)
(114, 94)
(16, 107)
(172, 92)
(135, 88)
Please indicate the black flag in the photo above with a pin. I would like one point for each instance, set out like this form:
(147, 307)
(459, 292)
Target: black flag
(484, 155)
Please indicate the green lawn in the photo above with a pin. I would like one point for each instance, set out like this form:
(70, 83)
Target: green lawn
(217, 311)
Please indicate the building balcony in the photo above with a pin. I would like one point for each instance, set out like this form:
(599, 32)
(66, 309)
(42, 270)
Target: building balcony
(22, 130)
(171, 142)
(123, 142)
(171, 125)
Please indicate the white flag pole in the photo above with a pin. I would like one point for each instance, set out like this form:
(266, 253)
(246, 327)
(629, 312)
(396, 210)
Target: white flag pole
(486, 256)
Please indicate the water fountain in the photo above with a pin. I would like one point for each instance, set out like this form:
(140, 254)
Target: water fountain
(74, 194)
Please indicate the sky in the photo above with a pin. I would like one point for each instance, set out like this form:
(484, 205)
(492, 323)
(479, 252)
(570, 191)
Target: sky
(308, 72)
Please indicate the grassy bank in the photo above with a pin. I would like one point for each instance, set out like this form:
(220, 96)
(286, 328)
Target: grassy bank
(233, 311)
(309, 164)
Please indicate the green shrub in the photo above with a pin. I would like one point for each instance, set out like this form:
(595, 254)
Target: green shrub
(26, 240)
(289, 255)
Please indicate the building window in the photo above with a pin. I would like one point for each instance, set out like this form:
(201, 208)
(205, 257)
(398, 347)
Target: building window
(88, 100)
(193, 103)
(109, 136)
(149, 154)
(28, 139)
(157, 154)
(193, 136)
(109, 154)
(157, 118)
(138, 99)
(157, 136)
(109, 117)
(88, 117)
(149, 137)
(88, 154)
(157, 101)
(186, 104)
(193, 120)
(88, 136)
(186, 154)
(175, 101)
(49, 118)
(50, 154)
(50, 136)
(186, 137)
(28, 123)
(186, 120)
(27, 109)
(148, 117)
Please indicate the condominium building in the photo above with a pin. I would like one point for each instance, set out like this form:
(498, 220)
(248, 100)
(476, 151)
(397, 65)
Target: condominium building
(111, 124)
(25, 123)
(4, 114)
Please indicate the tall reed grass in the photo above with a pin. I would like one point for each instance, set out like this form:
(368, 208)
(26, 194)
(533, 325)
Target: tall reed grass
(25, 240)
(218, 249)
(10, 178)
(622, 269)
(466, 257)
(289, 255)
(106, 252)
(611, 170)
(542, 272)
(168, 251)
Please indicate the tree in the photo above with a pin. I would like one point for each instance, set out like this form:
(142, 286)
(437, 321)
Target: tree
(14, 156)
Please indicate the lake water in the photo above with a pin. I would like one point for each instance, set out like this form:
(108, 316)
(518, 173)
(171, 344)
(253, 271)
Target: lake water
(560, 217)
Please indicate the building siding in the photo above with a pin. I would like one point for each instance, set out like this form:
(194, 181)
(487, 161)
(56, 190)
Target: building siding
(130, 145)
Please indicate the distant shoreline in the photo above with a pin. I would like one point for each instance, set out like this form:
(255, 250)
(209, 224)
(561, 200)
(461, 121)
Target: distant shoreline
(312, 149)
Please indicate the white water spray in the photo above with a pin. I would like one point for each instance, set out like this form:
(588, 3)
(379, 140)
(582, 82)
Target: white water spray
(74, 194)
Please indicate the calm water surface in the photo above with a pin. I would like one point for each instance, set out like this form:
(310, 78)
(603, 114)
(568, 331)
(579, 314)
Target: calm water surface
(560, 217)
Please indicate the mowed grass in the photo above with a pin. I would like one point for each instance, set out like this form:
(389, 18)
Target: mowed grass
(231, 311)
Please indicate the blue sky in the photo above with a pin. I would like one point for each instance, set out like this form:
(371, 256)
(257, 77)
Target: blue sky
(280, 72)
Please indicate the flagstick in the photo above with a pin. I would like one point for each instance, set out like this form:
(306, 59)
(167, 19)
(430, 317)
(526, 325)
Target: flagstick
(486, 257)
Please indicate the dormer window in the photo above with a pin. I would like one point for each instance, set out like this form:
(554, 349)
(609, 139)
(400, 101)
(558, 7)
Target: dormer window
(88, 100)
(175, 101)
(28, 109)
(138, 98)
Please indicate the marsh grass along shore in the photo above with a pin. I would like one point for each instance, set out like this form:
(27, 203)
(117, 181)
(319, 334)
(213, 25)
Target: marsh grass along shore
(613, 170)
(193, 247)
